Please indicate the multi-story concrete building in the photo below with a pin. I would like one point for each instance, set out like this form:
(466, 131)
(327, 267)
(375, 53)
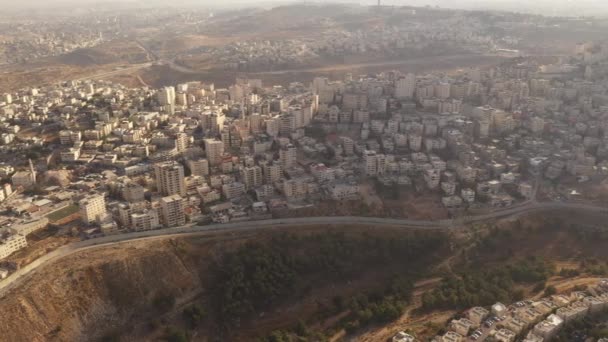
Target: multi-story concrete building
(11, 244)
(198, 167)
(92, 207)
(295, 189)
(133, 192)
(172, 211)
(233, 190)
(166, 96)
(170, 178)
(477, 315)
(252, 176)
(23, 179)
(181, 142)
(432, 178)
(214, 150)
(146, 219)
(288, 156)
(405, 87)
(67, 137)
(213, 122)
(273, 172)
(373, 163)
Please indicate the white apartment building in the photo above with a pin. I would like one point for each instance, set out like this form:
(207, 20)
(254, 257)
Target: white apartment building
(344, 191)
(24, 179)
(432, 178)
(214, 150)
(181, 141)
(252, 176)
(12, 244)
(170, 178)
(67, 137)
(92, 207)
(133, 192)
(477, 315)
(233, 190)
(374, 164)
(405, 87)
(172, 211)
(199, 167)
(415, 142)
(273, 126)
(146, 219)
(287, 124)
(295, 189)
(360, 116)
(442, 90)
(272, 172)
(166, 96)
(29, 227)
(213, 122)
(288, 156)
(403, 337)
(322, 173)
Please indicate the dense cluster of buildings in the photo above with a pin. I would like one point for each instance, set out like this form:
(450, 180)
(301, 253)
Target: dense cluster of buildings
(527, 321)
(44, 46)
(26, 40)
(29, 35)
(141, 158)
(414, 33)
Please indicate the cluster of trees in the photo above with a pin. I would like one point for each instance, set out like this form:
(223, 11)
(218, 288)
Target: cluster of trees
(530, 270)
(595, 267)
(173, 334)
(364, 309)
(258, 275)
(300, 333)
(194, 315)
(595, 326)
(486, 287)
(378, 308)
(569, 272)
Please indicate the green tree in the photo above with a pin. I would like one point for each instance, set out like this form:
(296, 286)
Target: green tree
(550, 290)
(173, 334)
(301, 329)
(193, 315)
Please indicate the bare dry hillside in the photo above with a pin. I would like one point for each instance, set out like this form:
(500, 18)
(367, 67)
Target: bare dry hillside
(139, 291)
(85, 295)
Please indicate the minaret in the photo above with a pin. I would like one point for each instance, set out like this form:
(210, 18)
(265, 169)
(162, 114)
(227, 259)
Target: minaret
(32, 170)
(243, 109)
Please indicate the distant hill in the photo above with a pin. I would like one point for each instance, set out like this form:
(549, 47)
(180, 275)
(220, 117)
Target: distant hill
(87, 57)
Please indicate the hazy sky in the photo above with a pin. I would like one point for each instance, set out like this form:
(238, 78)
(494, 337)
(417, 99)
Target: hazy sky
(550, 7)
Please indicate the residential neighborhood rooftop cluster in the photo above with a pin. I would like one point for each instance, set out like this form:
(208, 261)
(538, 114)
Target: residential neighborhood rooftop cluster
(119, 159)
(527, 321)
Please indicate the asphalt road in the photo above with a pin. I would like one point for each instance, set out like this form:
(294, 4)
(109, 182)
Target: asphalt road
(26, 272)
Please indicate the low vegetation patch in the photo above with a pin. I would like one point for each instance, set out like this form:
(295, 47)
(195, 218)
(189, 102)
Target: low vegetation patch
(259, 275)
